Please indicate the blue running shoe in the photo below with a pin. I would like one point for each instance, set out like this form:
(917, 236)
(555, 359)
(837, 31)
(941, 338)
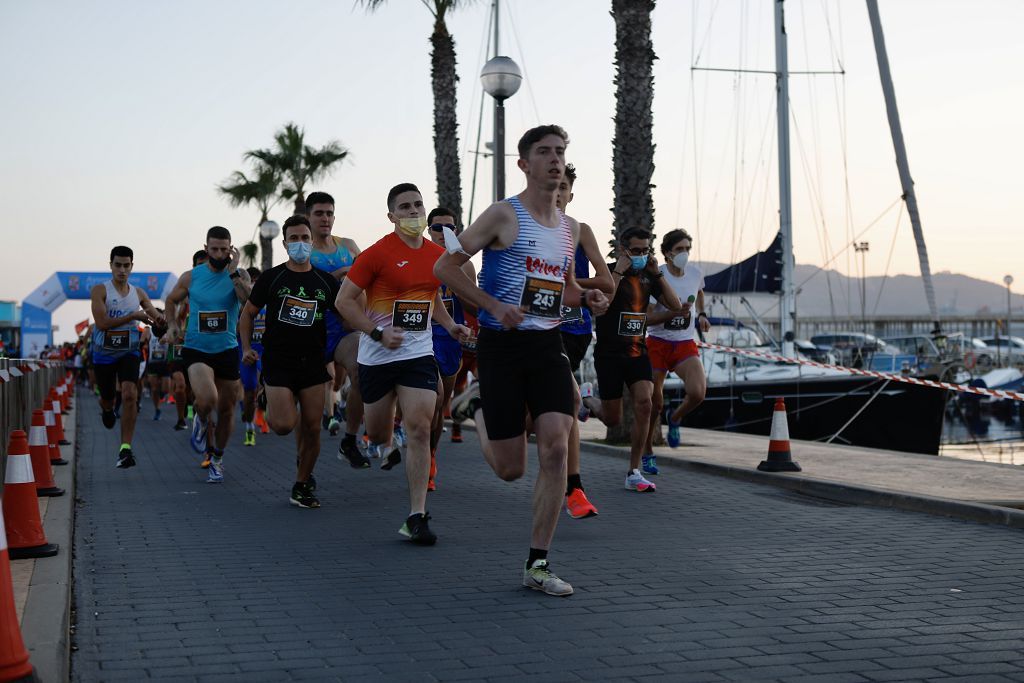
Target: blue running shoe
(649, 465)
(400, 439)
(156, 415)
(198, 439)
(673, 436)
(215, 474)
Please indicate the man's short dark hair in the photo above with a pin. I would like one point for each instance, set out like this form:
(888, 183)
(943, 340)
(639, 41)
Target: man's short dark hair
(399, 189)
(441, 211)
(535, 135)
(634, 234)
(297, 219)
(254, 272)
(314, 198)
(122, 251)
(570, 174)
(199, 257)
(672, 238)
(218, 233)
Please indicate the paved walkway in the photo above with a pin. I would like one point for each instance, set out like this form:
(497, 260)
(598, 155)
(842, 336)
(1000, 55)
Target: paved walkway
(710, 579)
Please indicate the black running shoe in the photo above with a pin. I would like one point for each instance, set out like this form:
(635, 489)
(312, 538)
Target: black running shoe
(302, 496)
(180, 425)
(109, 419)
(125, 459)
(349, 451)
(417, 530)
(394, 457)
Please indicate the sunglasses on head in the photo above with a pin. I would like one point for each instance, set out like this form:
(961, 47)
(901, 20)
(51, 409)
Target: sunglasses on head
(438, 227)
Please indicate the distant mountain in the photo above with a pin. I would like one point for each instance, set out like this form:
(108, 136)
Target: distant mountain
(900, 294)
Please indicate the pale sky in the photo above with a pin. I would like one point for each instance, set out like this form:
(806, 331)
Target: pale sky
(121, 116)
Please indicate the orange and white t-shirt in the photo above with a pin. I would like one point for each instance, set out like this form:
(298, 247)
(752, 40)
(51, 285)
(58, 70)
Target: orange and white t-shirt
(400, 287)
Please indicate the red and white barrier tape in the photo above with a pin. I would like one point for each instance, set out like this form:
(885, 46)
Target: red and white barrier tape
(996, 393)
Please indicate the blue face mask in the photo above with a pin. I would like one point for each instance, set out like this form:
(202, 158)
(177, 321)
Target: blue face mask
(299, 251)
(638, 262)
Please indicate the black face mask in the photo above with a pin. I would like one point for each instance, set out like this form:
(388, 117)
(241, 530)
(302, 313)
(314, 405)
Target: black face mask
(217, 263)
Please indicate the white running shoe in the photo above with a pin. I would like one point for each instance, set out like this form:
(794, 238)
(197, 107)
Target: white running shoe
(540, 578)
(636, 482)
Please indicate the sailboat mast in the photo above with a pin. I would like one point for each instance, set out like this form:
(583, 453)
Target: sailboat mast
(787, 315)
(901, 157)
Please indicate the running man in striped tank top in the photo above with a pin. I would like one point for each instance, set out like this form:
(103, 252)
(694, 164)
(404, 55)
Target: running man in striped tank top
(527, 276)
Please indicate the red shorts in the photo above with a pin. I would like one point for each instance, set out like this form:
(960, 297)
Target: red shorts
(667, 355)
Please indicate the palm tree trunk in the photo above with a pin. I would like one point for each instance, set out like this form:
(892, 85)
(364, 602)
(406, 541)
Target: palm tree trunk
(633, 144)
(300, 204)
(266, 254)
(446, 133)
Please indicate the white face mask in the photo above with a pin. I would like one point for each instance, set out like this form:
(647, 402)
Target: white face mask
(680, 259)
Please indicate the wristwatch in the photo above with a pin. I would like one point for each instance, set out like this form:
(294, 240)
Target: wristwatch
(702, 314)
(377, 334)
(235, 275)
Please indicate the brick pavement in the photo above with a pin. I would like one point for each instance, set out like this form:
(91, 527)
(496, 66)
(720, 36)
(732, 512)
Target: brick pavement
(710, 579)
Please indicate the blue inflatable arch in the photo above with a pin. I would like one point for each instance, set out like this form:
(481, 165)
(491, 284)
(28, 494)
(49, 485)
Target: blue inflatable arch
(38, 307)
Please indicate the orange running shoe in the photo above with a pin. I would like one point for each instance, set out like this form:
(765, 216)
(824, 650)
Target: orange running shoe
(577, 505)
(456, 432)
(431, 485)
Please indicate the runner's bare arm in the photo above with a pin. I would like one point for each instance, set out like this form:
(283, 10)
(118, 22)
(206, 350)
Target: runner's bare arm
(602, 275)
(704, 323)
(98, 295)
(488, 230)
(148, 307)
(470, 270)
(351, 304)
(243, 285)
(245, 324)
(176, 296)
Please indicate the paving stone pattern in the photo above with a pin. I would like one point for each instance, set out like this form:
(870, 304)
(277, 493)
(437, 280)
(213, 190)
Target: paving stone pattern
(709, 579)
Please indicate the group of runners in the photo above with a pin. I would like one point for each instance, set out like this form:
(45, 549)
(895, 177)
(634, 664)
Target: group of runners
(400, 325)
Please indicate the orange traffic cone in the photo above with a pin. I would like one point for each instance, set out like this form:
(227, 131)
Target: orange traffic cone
(14, 664)
(64, 396)
(51, 435)
(25, 536)
(57, 420)
(779, 457)
(39, 449)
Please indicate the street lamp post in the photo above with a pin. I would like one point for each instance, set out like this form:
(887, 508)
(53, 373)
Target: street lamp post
(268, 231)
(501, 79)
(862, 249)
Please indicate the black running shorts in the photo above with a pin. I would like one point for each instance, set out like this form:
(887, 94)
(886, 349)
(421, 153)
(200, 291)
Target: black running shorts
(224, 364)
(522, 371)
(615, 371)
(124, 369)
(576, 348)
(377, 381)
(294, 372)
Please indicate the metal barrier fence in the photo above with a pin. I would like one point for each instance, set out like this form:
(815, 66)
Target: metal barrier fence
(24, 383)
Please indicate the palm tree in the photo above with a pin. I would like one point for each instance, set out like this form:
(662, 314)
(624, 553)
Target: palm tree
(633, 144)
(443, 79)
(262, 190)
(298, 163)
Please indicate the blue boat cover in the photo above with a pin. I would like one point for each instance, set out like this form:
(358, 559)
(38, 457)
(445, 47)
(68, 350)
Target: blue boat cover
(761, 273)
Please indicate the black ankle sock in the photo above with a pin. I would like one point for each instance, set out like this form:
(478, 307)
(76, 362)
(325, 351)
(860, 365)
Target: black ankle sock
(349, 438)
(573, 482)
(536, 554)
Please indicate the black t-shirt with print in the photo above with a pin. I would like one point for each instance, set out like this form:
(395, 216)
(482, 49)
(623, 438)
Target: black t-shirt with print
(296, 303)
(622, 331)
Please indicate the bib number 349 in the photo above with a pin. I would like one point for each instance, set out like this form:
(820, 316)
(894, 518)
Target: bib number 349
(411, 315)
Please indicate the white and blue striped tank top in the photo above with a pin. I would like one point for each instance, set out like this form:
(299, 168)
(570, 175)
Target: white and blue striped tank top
(109, 345)
(531, 272)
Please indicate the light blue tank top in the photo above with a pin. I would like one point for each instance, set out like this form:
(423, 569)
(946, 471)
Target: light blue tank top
(531, 272)
(339, 258)
(123, 340)
(212, 311)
